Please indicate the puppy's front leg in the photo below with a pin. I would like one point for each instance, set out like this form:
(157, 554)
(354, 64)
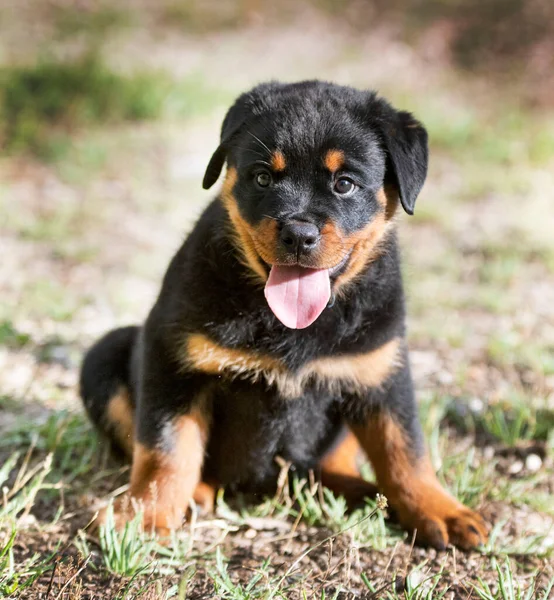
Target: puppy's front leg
(390, 434)
(171, 430)
(167, 468)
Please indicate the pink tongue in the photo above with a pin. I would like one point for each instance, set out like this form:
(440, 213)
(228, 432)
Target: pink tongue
(296, 295)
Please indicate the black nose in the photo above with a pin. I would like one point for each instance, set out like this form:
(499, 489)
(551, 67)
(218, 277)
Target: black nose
(298, 236)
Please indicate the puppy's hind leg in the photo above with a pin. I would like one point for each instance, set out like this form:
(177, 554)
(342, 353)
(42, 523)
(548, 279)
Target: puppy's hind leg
(339, 471)
(105, 387)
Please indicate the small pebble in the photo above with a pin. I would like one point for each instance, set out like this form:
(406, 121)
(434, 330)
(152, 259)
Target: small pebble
(445, 377)
(250, 534)
(515, 467)
(488, 453)
(476, 405)
(533, 463)
(416, 578)
(27, 520)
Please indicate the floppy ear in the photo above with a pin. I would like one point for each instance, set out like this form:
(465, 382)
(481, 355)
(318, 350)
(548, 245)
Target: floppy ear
(405, 140)
(234, 119)
(214, 167)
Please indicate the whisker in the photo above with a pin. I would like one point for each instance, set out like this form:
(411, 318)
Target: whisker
(247, 150)
(259, 141)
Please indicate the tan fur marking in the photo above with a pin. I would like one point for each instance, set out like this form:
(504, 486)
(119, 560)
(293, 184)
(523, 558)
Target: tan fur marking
(119, 415)
(388, 198)
(257, 245)
(412, 488)
(209, 357)
(205, 494)
(382, 198)
(245, 242)
(350, 372)
(365, 246)
(362, 246)
(278, 162)
(332, 248)
(342, 459)
(264, 238)
(363, 370)
(339, 471)
(164, 482)
(334, 159)
(395, 466)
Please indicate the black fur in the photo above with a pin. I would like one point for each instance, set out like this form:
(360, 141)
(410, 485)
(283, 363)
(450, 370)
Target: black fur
(208, 290)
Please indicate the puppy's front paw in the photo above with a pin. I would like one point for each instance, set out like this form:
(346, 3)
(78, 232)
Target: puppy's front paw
(154, 519)
(439, 520)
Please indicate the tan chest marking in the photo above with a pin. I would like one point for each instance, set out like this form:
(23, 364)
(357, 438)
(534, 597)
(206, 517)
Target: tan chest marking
(338, 374)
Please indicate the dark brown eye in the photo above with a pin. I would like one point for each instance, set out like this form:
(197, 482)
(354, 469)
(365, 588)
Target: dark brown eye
(263, 179)
(344, 185)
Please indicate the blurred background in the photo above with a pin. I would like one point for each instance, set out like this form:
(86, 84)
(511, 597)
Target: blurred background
(109, 112)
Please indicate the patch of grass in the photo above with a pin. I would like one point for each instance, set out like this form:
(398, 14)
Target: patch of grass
(19, 495)
(510, 425)
(17, 578)
(11, 337)
(47, 297)
(133, 552)
(469, 483)
(128, 552)
(508, 137)
(7, 586)
(315, 505)
(432, 412)
(68, 437)
(507, 587)
(415, 587)
(53, 226)
(513, 349)
(525, 544)
(20, 483)
(515, 420)
(42, 106)
(96, 21)
(530, 491)
(261, 584)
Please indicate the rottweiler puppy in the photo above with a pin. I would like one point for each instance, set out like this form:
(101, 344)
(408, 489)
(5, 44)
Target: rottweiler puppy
(279, 329)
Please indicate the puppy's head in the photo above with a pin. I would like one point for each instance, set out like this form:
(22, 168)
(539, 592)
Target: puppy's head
(315, 173)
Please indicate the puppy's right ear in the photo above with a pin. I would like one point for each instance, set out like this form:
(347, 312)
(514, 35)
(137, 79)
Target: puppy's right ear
(214, 167)
(234, 119)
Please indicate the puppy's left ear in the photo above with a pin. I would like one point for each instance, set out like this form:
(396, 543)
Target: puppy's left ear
(405, 140)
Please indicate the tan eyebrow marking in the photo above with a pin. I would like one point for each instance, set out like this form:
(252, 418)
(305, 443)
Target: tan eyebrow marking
(334, 159)
(278, 162)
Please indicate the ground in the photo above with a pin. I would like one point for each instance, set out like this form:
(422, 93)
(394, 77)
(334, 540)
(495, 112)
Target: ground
(87, 231)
